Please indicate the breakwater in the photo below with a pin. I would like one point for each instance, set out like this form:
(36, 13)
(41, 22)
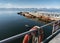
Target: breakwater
(43, 16)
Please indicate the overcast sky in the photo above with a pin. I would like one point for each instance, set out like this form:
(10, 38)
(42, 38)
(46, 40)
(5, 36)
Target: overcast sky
(29, 3)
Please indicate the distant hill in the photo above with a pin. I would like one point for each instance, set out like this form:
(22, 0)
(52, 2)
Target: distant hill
(30, 9)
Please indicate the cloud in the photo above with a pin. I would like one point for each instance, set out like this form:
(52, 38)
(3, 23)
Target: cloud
(10, 5)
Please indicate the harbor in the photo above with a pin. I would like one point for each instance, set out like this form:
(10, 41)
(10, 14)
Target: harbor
(25, 23)
(47, 28)
(29, 21)
(13, 24)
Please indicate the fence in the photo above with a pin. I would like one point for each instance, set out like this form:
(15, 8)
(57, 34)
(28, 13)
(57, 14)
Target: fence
(28, 32)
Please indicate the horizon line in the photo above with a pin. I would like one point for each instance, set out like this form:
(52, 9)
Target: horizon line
(31, 7)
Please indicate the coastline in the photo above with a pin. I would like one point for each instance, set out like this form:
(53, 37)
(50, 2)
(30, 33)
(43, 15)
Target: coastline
(43, 16)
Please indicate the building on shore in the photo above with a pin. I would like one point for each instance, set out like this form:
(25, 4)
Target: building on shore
(52, 15)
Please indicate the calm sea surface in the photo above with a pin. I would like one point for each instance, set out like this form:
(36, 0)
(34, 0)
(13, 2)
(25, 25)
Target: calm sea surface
(12, 24)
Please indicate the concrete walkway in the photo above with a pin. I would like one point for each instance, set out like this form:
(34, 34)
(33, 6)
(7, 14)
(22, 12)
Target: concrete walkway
(56, 39)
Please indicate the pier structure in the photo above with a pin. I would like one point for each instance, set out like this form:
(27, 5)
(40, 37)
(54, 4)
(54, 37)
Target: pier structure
(38, 32)
(56, 39)
(43, 15)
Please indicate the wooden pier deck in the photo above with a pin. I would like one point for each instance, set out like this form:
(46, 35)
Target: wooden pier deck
(56, 39)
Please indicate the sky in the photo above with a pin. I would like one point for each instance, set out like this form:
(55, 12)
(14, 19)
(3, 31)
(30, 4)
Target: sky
(29, 3)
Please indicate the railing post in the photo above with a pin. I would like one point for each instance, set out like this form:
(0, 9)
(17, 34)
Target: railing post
(55, 26)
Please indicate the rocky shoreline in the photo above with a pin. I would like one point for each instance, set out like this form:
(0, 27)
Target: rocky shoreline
(39, 16)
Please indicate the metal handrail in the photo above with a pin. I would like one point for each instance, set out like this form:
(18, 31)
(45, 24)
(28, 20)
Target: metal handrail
(15, 37)
(51, 36)
(47, 24)
(22, 34)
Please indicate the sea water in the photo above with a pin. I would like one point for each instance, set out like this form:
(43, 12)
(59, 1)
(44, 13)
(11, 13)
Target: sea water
(12, 24)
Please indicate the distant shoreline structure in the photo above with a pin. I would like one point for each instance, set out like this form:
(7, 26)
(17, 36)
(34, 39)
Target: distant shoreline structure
(46, 16)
